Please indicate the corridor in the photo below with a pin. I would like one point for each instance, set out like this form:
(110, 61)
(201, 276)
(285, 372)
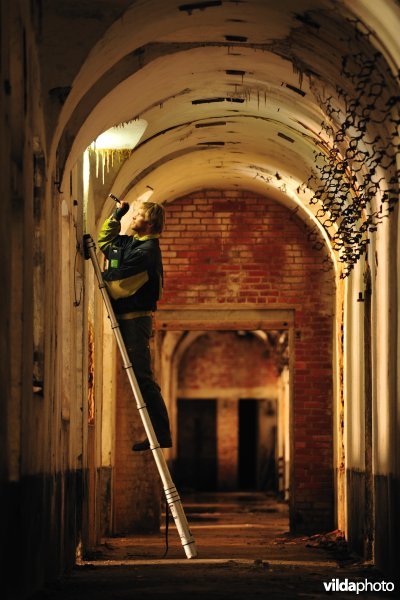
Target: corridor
(245, 550)
(225, 175)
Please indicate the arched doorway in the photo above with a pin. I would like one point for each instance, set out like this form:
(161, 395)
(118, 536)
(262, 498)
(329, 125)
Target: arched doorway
(227, 412)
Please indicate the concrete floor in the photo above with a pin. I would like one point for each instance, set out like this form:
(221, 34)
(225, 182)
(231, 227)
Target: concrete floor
(245, 551)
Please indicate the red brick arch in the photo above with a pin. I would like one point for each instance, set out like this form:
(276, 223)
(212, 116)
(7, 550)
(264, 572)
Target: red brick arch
(240, 248)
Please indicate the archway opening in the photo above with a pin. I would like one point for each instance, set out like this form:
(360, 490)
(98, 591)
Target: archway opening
(233, 405)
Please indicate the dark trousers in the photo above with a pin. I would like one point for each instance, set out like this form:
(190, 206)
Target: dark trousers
(136, 334)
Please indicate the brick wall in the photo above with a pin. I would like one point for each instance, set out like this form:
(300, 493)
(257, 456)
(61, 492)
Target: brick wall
(227, 443)
(237, 247)
(137, 485)
(222, 361)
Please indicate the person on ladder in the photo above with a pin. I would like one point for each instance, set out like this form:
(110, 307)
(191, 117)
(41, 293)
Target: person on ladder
(134, 280)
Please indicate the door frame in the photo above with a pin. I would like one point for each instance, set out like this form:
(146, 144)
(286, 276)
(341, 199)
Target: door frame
(228, 317)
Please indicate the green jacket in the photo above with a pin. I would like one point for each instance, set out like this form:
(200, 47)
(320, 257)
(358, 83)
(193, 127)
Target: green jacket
(134, 277)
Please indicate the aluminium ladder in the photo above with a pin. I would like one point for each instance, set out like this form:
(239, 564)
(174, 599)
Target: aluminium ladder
(171, 493)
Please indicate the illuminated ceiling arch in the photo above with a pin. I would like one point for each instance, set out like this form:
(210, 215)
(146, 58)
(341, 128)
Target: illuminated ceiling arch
(233, 93)
(170, 181)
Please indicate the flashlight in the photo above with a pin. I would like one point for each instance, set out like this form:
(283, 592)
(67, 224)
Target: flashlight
(115, 198)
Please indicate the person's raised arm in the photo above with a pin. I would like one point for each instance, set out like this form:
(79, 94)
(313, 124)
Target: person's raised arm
(111, 227)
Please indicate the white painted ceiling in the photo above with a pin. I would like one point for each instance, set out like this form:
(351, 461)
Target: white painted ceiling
(234, 92)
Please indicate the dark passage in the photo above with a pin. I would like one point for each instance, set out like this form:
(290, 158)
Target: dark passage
(248, 443)
(196, 465)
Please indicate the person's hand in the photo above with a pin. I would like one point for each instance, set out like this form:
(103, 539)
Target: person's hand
(121, 210)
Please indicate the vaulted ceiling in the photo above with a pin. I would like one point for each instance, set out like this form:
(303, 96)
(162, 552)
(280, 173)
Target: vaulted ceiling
(247, 93)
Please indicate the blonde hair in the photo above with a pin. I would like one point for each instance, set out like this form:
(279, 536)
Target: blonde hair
(155, 215)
